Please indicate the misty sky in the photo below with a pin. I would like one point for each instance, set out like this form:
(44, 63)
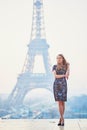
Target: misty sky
(66, 33)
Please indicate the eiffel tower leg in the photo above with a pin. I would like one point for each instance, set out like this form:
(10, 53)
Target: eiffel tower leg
(17, 96)
(47, 62)
(28, 67)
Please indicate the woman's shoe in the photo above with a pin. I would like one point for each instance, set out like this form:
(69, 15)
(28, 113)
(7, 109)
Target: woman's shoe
(62, 123)
(59, 122)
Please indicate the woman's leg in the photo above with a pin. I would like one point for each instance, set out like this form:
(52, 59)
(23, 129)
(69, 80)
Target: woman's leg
(61, 109)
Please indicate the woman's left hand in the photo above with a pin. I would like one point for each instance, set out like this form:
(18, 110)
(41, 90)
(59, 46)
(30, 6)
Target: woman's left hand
(67, 76)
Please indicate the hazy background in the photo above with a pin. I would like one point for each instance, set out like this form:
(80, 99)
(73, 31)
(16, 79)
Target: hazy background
(66, 32)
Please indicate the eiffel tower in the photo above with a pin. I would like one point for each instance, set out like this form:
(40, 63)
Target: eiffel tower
(38, 45)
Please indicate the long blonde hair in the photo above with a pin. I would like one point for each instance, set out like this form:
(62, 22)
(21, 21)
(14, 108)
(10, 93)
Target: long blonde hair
(65, 63)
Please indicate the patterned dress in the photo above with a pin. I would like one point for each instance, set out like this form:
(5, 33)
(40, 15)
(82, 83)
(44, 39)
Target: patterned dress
(60, 85)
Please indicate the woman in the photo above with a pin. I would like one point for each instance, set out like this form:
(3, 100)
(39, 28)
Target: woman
(61, 74)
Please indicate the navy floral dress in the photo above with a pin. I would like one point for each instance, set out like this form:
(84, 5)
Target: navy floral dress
(60, 85)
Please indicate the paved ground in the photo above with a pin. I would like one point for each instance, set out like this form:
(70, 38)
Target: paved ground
(42, 124)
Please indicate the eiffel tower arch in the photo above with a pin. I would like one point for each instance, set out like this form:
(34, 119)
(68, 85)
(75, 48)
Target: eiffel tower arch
(38, 45)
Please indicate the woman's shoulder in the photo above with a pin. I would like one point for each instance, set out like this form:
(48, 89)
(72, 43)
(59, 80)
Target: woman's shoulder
(54, 67)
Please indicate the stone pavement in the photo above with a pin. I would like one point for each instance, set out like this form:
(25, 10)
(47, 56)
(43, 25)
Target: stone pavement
(42, 124)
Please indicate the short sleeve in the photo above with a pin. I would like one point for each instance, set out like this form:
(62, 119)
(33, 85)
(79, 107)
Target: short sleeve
(54, 67)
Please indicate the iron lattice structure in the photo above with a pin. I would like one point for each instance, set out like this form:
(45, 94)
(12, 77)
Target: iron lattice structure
(38, 45)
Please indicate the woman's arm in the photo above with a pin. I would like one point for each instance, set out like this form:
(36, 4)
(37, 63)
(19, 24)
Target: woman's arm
(68, 71)
(58, 76)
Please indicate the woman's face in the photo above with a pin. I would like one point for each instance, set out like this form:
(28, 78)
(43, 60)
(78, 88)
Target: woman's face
(59, 59)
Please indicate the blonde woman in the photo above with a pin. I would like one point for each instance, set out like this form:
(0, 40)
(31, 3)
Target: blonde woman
(61, 74)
